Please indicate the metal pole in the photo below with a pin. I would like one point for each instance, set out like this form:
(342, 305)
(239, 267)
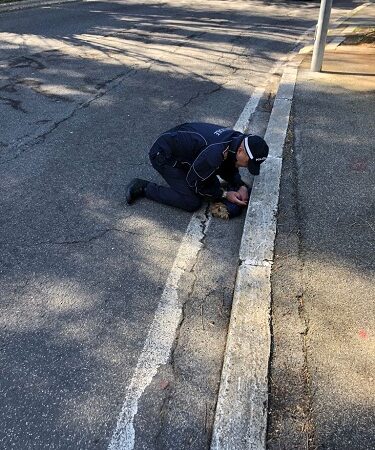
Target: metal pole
(321, 35)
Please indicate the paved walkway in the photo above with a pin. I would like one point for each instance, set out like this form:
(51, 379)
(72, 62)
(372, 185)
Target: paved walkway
(322, 373)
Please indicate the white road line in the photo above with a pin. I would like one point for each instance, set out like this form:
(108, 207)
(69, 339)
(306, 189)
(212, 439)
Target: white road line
(161, 336)
(249, 110)
(24, 4)
(162, 332)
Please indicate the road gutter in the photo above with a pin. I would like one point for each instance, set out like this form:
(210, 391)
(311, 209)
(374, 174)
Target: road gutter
(241, 413)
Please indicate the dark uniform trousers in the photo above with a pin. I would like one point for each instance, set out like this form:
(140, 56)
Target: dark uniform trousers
(178, 194)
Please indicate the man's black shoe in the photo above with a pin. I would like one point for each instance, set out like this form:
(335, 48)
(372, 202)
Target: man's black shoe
(135, 189)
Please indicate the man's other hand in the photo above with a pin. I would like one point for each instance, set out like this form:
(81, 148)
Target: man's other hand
(244, 193)
(236, 197)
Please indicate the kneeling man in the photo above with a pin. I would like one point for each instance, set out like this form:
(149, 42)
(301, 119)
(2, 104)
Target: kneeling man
(190, 156)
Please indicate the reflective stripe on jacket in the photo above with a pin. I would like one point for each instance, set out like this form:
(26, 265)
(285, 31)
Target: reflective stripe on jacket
(199, 148)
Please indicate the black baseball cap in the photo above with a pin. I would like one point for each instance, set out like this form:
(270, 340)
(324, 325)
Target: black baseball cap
(257, 151)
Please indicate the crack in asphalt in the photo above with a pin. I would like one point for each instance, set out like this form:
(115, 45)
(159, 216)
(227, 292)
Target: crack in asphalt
(309, 426)
(168, 398)
(22, 62)
(26, 144)
(203, 94)
(187, 40)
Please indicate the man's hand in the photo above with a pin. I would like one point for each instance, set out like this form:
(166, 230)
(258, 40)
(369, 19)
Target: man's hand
(236, 197)
(244, 193)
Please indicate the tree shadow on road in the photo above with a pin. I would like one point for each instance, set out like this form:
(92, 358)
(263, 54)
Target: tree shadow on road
(79, 268)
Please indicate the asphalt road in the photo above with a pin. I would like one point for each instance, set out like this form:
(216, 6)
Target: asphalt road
(85, 88)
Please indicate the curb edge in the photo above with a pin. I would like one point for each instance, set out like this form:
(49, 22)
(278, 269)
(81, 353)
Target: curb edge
(241, 412)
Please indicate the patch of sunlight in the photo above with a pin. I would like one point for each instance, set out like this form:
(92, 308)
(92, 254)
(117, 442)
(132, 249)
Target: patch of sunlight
(39, 43)
(348, 67)
(44, 298)
(59, 89)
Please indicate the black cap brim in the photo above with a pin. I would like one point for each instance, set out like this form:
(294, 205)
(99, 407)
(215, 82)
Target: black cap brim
(253, 167)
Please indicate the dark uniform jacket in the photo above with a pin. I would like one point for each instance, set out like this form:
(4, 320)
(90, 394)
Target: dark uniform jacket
(198, 149)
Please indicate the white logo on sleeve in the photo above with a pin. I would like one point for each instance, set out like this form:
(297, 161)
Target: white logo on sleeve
(221, 130)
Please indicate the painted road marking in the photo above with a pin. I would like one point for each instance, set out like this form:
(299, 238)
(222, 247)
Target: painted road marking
(249, 109)
(162, 332)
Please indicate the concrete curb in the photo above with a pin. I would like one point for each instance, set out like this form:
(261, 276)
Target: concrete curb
(241, 413)
(242, 407)
(24, 4)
